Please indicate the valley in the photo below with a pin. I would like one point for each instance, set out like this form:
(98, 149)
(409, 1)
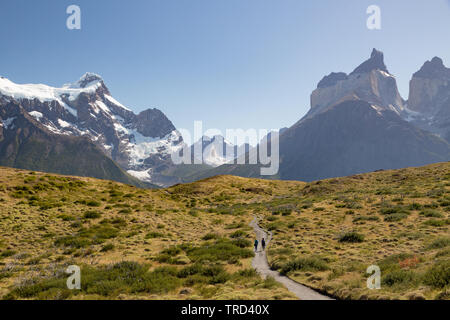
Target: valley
(194, 241)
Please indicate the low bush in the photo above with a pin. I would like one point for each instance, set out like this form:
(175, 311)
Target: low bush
(304, 264)
(238, 234)
(210, 236)
(437, 223)
(7, 253)
(440, 243)
(352, 237)
(431, 213)
(397, 277)
(438, 275)
(154, 234)
(221, 250)
(92, 215)
(394, 217)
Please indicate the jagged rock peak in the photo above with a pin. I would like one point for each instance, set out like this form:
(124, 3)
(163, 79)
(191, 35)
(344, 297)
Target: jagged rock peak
(332, 79)
(153, 123)
(376, 62)
(433, 69)
(87, 79)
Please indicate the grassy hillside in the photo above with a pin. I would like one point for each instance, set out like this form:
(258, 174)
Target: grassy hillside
(193, 241)
(129, 242)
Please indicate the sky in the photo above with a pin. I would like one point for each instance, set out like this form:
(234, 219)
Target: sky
(229, 63)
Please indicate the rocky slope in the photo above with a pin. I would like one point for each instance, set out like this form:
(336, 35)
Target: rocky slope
(429, 98)
(370, 82)
(26, 143)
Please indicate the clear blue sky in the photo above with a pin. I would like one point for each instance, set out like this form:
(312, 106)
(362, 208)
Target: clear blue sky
(231, 63)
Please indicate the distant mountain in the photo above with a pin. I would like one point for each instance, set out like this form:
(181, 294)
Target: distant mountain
(217, 150)
(140, 143)
(429, 98)
(355, 125)
(355, 137)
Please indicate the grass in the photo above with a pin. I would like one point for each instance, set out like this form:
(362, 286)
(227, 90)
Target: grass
(193, 241)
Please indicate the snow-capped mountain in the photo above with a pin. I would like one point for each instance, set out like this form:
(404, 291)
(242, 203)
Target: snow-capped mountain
(140, 143)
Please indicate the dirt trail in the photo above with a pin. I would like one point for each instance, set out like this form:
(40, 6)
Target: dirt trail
(262, 267)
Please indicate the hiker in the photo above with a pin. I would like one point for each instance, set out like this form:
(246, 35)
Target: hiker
(263, 244)
(256, 245)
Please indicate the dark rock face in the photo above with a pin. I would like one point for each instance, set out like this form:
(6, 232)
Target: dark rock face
(332, 79)
(153, 123)
(353, 137)
(376, 62)
(89, 78)
(369, 82)
(433, 69)
(429, 98)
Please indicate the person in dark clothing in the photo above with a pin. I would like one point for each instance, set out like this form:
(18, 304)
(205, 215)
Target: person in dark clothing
(263, 244)
(256, 245)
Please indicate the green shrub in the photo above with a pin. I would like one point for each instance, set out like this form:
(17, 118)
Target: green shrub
(66, 217)
(248, 273)
(238, 234)
(397, 277)
(438, 275)
(99, 232)
(241, 243)
(222, 250)
(365, 218)
(352, 237)
(107, 247)
(7, 253)
(431, 213)
(236, 225)
(395, 217)
(210, 236)
(388, 210)
(72, 241)
(154, 234)
(93, 203)
(193, 213)
(440, 243)
(270, 283)
(304, 264)
(437, 223)
(415, 206)
(92, 215)
(274, 226)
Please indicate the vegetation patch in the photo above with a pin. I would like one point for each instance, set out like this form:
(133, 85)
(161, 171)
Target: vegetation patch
(352, 237)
